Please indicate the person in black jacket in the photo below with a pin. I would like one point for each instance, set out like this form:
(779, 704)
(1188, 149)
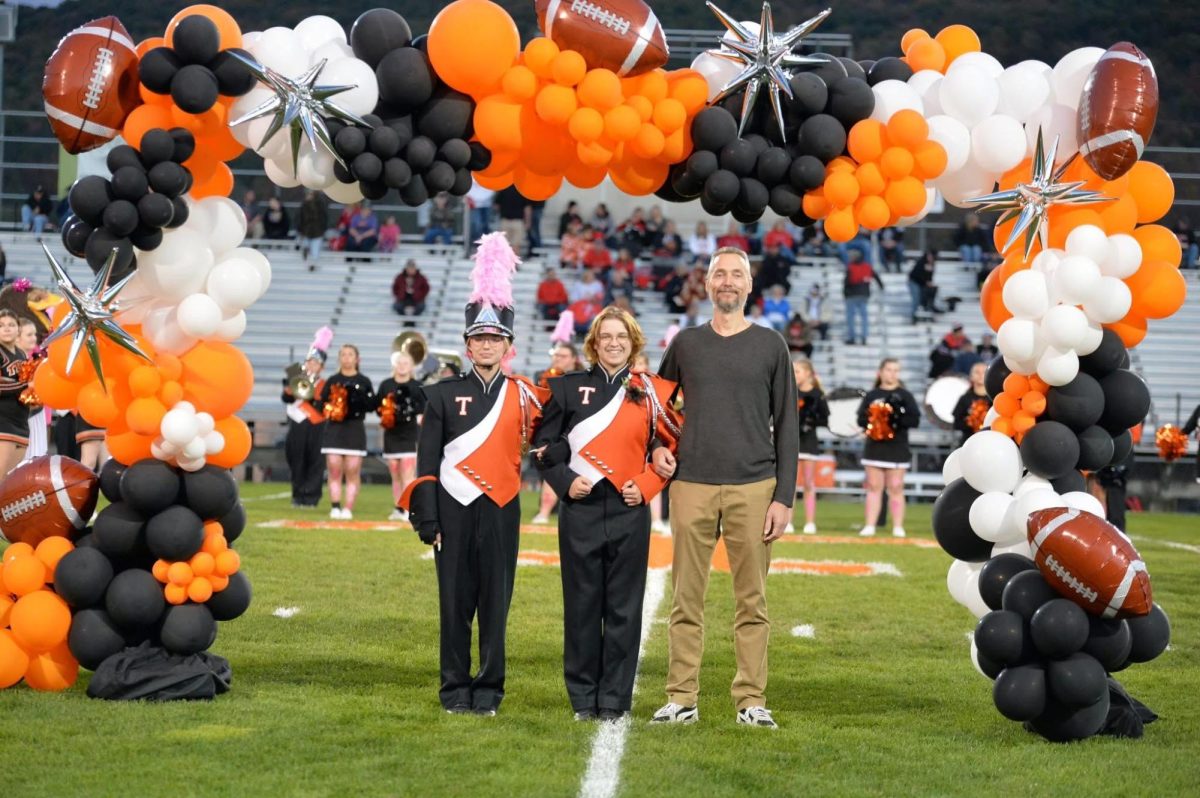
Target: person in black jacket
(813, 412)
(401, 401)
(973, 405)
(1189, 428)
(347, 397)
(886, 414)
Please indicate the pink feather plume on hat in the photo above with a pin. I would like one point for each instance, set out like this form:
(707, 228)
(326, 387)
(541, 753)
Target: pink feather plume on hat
(495, 263)
(322, 339)
(564, 331)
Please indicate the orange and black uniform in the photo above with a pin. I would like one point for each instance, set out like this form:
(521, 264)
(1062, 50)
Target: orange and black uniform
(302, 446)
(971, 409)
(468, 480)
(14, 416)
(601, 427)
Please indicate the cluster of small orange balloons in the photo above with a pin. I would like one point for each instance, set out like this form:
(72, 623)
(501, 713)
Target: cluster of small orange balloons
(207, 571)
(922, 51)
(34, 620)
(1019, 405)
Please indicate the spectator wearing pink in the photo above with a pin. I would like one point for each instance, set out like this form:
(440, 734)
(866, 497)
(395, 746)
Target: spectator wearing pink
(573, 245)
(410, 288)
(552, 297)
(778, 236)
(702, 243)
(596, 257)
(734, 237)
(389, 235)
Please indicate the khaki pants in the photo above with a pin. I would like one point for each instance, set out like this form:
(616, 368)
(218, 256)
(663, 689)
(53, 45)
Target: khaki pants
(514, 230)
(741, 511)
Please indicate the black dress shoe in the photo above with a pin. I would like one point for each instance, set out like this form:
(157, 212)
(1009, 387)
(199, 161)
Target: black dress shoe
(459, 709)
(486, 712)
(607, 714)
(585, 715)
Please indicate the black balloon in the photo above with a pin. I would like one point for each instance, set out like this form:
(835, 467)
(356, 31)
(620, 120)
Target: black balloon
(996, 573)
(146, 238)
(1109, 641)
(850, 101)
(75, 235)
(1050, 449)
(406, 80)
(157, 68)
(772, 167)
(129, 183)
(118, 532)
(828, 71)
(997, 373)
(701, 164)
(990, 667)
(210, 492)
(1095, 449)
(1077, 681)
(415, 193)
(713, 128)
(447, 115)
(233, 78)
(156, 146)
(738, 156)
(350, 142)
(1078, 404)
(99, 249)
(439, 177)
(194, 89)
(233, 523)
(180, 216)
(714, 208)
(188, 629)
(367, 167)
(396, 173)
(122, 155)
(1000, 636)
(889, 69)
(134, 599)
(155, 210)
(378, 32)
(94, 637)
(1126, 401)
(853, 68)
(785, 200)
(810, 95)
(481, 156)
(89, 197)
(1020, 693)
(150, 486)
(823, 137)
(82, 577)
(175, 534)
(462, 182)
(1122, 447)
(1151, 634)
(1070, 482)
(721, 187)
(1107, 358)
(373, 190)
(196, 40)
(121, 218)
(752, 197)
(420, 153)
(1059, 628)
(1026, 592)
(168, 178)
(185, 144)
(383, 142)
(806, 173)
(455, 152)
(234, 600)
(1060, 723)
(952, 524)
(110, 479)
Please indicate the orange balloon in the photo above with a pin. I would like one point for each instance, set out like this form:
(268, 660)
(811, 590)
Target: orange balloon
(217, 378)
(143, 118)
(906, 196)
(96, 406)
(144, 416)
(644, 108)
(1003, 425)
(128, 447)
(6, 605)
(678, 146)
(237, 443)
(895, 163)
(907, 128)
(227, 563)
(179, 573)
(221, 144)
(586, 125)
(1158, 288)
(150, 98)
(494, 182)
(202, 563)
(14, 660)
(866, 140)
(841, 189)
(54, 390)
(669, 115)
(19, 549)
(568, 68)
(870, 180)
(145, 381)
(1157, 242)
(1131, 329)
(175, 594)
(200, 590)
(24, 574)
(958, 40)
(840, 225)
(872, 212)
(498, 123)
(471, 44)
(1023, 421)
(926, 54)
(690, 89)
(219, 583)
(519, 83)
(227, 27)
(929, 160)
(214, 544)
(912, 36)
(1006, 404)
(601, 89)
(539, 57)
(1034, 403)
(1063, 219)
(814, 204)
(51, 550)
(649, 142)
(1016, 385)
(546, 149)
(1037, 384)
(582, 176)
(53, 671)
(840, 164)
(219, 185)
(991, 301)
(1120, 216)
(1152, 189)
(555, 104)
(161, 571)
(638, 177)
(40, 621)
(146, 45)
(621, 123)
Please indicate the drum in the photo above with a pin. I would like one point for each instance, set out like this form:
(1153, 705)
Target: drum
(940, 398)
(843, 411)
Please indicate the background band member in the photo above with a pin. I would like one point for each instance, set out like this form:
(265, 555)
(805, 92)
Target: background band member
(401, 402)
(657, 524)
(598, 428)
(563, 360)
(14, 416)
(737, 474)
(465, 501)
(973, 405)
(887, 413)
(306, 425)
(346, 398)
(812, 411)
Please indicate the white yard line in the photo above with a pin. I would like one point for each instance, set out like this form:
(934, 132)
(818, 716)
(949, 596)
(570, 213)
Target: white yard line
(1170, 544)
(608, 746)
(267, 496)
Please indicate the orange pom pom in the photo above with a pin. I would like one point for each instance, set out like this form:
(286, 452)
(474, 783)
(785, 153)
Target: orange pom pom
(179, 573)
(568, 68)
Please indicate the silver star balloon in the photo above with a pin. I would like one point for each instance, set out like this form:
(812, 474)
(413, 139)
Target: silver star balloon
(299, 104)
(764, 58)
(1031, 202)
(91, 314)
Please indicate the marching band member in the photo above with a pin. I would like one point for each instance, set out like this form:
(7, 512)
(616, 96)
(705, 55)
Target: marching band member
(346, 398)
(465, 500)
(302, 446)
(563, 360)
(973, 405)
(597, 431)
(886, 413)
(813, 412)
(401, 402)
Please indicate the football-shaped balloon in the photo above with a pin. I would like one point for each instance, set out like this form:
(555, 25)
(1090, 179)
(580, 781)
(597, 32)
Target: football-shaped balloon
(91, 84)
(1090, 561)
(1117, 110)
(621, 35)
(47, 496)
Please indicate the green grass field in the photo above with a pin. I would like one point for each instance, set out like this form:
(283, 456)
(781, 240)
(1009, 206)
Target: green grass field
(341, 699)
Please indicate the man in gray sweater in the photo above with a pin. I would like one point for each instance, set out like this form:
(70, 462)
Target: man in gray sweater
(736, 479)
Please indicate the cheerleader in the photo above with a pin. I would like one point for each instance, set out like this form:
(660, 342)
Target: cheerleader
(39, 417)
(886, 413)
(347, 397)
(401, 403)
(1188, 429)
(973, 405)
(814, 412)
(14, 416)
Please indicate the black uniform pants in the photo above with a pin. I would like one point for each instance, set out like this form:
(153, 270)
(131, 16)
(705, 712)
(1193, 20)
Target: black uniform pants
(302, 448)
(476, 568)
(604, 546)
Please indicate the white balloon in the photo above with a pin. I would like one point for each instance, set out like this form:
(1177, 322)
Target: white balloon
(204, 423)
(200, 219)
(193, 449)
(990, 416)
(1018, 339)
(984, 62)
(1088, 241)
(1046, 261)
(1016, 366)
(968, 94)
(198, 315)
(1092, 341)
(952, 466)
(1026, 294)
(190, 465)
(1074, 280)
(892, 96)
(1057, 367)
(1031, 482)
(363, 98)
(1071, 72)
(991, 462)
(318, 29)
(242, 105)
(1031, 502)
(279, 171)
(717, 71)
(163, 450)
(315, 169)
(922, 80)
(1124, 256)
(987, 515)
(956, 579)
(345, 193)
(1016, 547)
(228, 224)
(136, 299)
(179, 427)
(1109, 301)
(231, 327)
(1023, 90)
(258, 261)
(1086, 502)
(1055, 122)
(998, 143)
(214, 443)
(282, 50)
(975, 602)
(234, 284)
(1064, 327)
(330, 51)
(250, 39)
(967, 183)
(955, 139)
(179, 267)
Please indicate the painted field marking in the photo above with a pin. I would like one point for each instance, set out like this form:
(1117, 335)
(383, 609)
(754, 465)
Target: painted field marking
(804, 630)
(1170, 544)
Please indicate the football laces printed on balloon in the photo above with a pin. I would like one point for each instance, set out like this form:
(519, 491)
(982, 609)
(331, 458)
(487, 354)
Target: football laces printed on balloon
(764, 58)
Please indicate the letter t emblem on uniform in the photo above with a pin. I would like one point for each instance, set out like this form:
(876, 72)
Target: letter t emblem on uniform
(587, 395)
(462, 404)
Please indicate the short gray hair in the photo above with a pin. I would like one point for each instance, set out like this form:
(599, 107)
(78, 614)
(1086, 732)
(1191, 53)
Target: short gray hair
(729, 251)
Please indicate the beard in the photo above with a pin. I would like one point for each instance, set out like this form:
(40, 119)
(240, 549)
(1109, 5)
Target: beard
(727, 305)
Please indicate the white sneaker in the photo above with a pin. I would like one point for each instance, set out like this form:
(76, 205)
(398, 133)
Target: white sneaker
(867, 532)
(790, 529)
(757, 716)
(335, 513)
(540, 520)
(675, 713)
(347, 515)
(661, 528)
(898, 532)
(810, 529)
(397, 515)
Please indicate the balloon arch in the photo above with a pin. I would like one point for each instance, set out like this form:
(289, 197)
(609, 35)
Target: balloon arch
(755, 125)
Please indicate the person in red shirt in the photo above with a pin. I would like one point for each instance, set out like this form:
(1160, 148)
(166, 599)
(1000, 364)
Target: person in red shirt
(410, 288)
(734, 237)
(780, 237)
(573, 245)
(597, 257)
(552, 297)
(625, 262)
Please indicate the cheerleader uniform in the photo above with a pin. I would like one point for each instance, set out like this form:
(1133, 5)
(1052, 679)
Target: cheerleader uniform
(813, 411)
(85, 432)
(966, 413)
(14, 416)
(892, 453)
(348, 436)
(401, 440)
